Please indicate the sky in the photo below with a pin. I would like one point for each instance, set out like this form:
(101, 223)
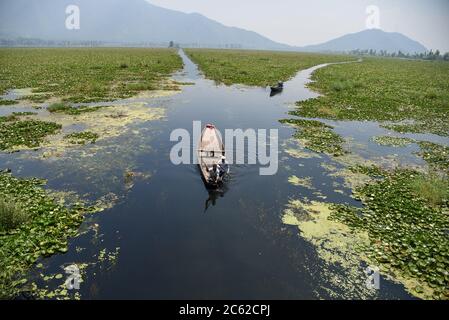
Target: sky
(305, 22)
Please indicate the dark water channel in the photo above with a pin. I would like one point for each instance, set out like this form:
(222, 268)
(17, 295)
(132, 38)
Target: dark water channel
(179, 240)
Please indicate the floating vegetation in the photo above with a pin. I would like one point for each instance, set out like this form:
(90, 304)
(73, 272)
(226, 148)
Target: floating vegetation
(28, 133)
(130, 177)
(82, 137)
(37, 98)
(407, 227)
(85, 74)
(11, 215)
(385, 90)
(25, 113)
(436, 126)
(432, 188)
(317, 136)
(66, 109)
(301, 182)
(293, 148)
(43, 233)
(391, 141)
(256, 68)
(437, 156)
(108, 259)
(9, 118)
(107, 123)
(55, 286)
(337, 245)
(7, 102)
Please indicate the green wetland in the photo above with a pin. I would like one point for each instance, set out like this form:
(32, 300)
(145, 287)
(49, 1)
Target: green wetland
(87, 181)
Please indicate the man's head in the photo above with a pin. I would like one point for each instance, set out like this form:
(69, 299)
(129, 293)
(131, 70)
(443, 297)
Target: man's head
(223, 159)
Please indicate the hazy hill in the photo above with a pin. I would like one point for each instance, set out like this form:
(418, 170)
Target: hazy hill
(131, 21)
(120, 21)
(370, 39)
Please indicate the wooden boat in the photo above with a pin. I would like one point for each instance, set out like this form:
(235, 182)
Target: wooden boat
(277, 89)
(210, 151)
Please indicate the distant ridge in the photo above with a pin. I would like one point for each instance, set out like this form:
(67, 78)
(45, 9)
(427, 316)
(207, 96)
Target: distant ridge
(137, 21)
(374, 39)
(122, 21)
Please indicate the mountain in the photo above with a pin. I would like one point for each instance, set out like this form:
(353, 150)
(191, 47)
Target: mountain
(375, 39)
(123, 21)
(135, 21)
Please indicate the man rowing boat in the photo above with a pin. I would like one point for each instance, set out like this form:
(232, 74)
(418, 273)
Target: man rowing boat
(223, 167)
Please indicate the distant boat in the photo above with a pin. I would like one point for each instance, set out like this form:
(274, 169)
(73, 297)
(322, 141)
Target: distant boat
(277, 89)
(210, 151)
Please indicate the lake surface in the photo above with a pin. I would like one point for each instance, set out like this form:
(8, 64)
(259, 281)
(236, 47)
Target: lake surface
(177, 240)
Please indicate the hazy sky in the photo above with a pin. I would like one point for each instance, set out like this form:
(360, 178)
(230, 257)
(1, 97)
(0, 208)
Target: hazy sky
(303, 22)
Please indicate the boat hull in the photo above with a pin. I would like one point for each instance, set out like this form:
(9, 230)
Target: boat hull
(210, 151)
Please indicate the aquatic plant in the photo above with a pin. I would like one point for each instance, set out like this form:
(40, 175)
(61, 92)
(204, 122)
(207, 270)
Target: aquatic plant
(25, 113)
(407, 227)
(8, 118)
(391, 141)
(432, 188)
(317, 136)
(301, 182)
(85, 74)
(82, 137)
(337, 246)
(11, 215)
(36, 98)
(44, 232)
(435, 154)
(64, 108)
(256, 68)
(28, 133)
(385, 90)
(7, 102)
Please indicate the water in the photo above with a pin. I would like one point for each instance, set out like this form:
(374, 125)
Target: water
(178, 240)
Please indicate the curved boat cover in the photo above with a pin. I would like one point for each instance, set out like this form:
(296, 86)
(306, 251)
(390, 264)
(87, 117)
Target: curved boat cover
(210, 151)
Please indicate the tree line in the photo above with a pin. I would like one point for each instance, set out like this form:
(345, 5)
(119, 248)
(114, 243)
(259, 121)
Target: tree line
(428, 55)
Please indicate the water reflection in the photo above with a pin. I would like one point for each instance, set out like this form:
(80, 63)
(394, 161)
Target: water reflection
(275, 92)
(242, 250)
(214, 195)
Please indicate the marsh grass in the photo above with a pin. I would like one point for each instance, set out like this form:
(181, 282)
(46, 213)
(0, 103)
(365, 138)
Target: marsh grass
(392, 141)
(405, 216)
(256, 68)
(58, 107)
(8, 118)
(82, 137)
(48, 226)
(29, 133)
(317, 136)
(7, 102)
(66, 109)
(24, 113)
(341, 85)
(436, 155)
(384, 90)
(84, 74)
(11, 215)
(432, 188)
